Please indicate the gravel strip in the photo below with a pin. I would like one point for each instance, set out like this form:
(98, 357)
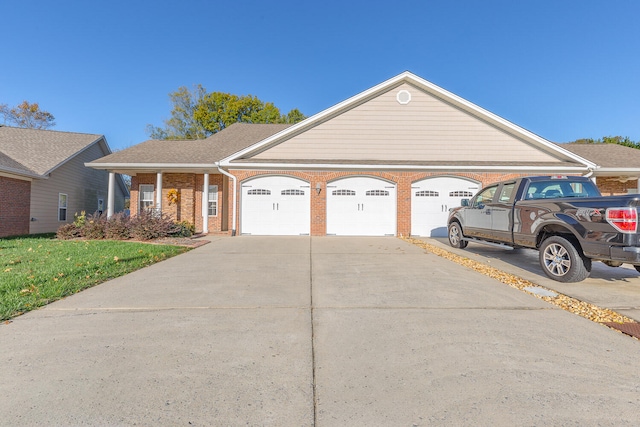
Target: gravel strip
(581, 308)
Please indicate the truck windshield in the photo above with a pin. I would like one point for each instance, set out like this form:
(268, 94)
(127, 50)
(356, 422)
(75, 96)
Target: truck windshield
(556, 188)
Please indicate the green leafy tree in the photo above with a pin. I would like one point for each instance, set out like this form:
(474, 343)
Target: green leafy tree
(27, 115)
(198, 114)
(182, 124)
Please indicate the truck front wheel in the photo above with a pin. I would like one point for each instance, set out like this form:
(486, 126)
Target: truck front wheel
(455, 236)
(562, 261)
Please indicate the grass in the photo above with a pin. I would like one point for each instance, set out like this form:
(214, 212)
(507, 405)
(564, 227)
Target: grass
(37, 270)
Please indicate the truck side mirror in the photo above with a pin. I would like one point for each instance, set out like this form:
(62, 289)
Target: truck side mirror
(464, 202)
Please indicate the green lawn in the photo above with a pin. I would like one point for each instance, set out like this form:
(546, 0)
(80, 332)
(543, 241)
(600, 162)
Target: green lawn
(37, 270)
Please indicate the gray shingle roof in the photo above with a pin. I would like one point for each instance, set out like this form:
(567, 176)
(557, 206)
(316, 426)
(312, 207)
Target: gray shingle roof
(607, 155)
(201, 151)
(39, 151)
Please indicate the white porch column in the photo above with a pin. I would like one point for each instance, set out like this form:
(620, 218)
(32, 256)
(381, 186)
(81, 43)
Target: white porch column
(205, 204)
(111, 194)
(159, 192)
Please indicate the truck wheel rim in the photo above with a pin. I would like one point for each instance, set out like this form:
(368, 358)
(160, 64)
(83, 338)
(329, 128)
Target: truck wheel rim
(557, 260)
(454, 235)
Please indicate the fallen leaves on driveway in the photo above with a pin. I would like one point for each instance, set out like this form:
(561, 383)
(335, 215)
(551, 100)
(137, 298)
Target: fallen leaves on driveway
(581, 308)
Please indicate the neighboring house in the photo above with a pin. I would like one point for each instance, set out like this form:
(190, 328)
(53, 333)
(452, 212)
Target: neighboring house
(391, 160)
(43, 180)
(618, 166)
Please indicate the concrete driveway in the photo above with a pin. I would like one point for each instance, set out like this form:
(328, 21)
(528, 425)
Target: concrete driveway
(312, 331)
(615, 288)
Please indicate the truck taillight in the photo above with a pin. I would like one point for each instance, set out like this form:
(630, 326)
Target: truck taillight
(624, 220)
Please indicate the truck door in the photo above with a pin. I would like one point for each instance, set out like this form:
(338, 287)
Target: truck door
(501, 218)
(477, 218)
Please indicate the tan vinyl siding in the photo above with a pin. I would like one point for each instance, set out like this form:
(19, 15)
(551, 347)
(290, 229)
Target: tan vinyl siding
(426, 129)
(83, 186)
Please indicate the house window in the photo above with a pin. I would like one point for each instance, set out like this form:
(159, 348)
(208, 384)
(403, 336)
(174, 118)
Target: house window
(213, 200)
(146, 197)
(62, 207)
(259, 192)
(427, 193)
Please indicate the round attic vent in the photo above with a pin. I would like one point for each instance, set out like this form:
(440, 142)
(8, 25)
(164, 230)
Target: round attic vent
(403, 97)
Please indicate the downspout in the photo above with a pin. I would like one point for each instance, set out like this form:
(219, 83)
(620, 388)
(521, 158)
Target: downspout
(590, 174)
(233, 207)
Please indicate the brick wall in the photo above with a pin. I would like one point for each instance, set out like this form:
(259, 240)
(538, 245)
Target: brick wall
(189, 187)
(610, 186)
(15, 201)
(402, 179)
(189, 206)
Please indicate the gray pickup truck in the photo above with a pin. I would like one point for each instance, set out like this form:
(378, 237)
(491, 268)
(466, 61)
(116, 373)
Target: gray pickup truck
(564, 217)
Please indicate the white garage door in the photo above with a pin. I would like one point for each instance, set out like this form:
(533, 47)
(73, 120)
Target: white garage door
(361, 206)
(275, 205)
(431, 200)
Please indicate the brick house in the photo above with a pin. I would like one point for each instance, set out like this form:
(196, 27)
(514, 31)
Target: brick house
(391, 160)
(618, 170)
(43, 180)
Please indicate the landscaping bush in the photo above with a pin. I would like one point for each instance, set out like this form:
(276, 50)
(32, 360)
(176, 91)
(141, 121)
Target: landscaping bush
(150, 225)
(118, 227)
(68, 231)
(95, 227)
(184, 229)
(145, 226)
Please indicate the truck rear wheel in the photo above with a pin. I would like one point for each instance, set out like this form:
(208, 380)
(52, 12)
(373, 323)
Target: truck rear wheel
(455, 236)
(562, 261)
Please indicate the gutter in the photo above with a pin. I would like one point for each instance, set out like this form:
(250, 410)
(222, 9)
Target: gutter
(233, 209)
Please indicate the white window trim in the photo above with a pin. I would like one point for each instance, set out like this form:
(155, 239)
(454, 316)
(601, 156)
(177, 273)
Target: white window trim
(151, 201)
(61, 207)
(213, 191)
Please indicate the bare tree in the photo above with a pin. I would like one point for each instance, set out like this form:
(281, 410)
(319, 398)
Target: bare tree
(27, 115)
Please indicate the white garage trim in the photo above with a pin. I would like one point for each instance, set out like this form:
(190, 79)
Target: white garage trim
(431, 199)
(361, 206)
(275, 205)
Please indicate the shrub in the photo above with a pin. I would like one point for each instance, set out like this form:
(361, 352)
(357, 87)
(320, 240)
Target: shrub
(80, 220)
(118, 227)
(184, 229)
(95, 227)
(68, 231)
(150, 225)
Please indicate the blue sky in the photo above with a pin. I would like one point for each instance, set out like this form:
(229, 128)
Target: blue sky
(563, 69)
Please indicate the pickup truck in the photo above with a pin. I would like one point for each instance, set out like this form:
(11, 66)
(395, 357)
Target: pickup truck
(564, 217)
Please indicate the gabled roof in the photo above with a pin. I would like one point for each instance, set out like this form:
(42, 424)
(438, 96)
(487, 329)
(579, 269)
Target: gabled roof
(244, 157)
(609, 157)
(188, 154)
(36, 153)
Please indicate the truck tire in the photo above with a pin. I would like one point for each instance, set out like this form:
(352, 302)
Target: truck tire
(455, 236)
(562, 261)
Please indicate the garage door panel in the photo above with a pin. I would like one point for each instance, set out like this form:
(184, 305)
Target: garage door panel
(361, 206)
(431, 200)
(275, 205)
